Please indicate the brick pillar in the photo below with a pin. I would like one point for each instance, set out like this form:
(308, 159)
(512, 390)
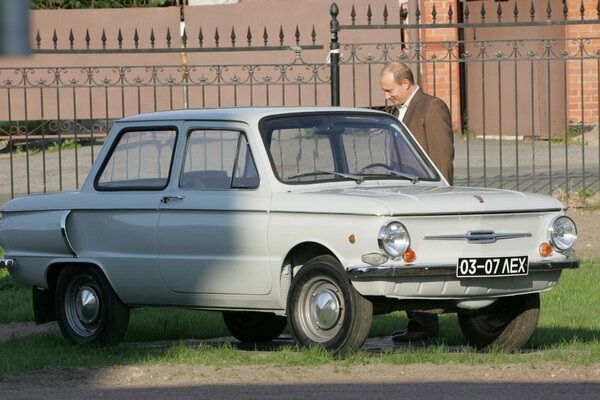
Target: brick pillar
(440, 77)
(582, 80)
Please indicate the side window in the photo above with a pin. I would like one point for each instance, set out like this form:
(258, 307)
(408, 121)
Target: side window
(141, 160)
(218, 160)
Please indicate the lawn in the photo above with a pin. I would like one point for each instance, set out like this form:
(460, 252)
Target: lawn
(568, 331)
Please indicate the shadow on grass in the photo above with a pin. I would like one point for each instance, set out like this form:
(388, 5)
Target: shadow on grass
(50, 350)
(544, 337)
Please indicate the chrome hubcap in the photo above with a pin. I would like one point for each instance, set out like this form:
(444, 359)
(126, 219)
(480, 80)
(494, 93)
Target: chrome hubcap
(87, 305)
(326, 308)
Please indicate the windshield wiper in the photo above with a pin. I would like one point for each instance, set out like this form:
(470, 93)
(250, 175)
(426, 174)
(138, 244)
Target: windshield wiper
(413, 178)
(356, 178)
(390, 170)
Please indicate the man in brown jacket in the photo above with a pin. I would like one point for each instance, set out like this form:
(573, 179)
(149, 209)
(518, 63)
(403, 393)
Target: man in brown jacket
(428, 118)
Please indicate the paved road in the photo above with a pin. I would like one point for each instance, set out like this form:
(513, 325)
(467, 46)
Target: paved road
(303, 391)
(537, 166)
(527, 166)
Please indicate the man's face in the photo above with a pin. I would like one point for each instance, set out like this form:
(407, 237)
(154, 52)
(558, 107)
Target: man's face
(395, 93)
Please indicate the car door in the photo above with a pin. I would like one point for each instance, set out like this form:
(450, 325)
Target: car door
(116, 223)
(213, 223)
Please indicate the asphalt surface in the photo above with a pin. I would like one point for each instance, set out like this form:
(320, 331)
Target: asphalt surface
(538, 166)
(347, 391)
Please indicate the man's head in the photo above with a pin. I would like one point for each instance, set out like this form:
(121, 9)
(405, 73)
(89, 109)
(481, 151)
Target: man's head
(397, 82)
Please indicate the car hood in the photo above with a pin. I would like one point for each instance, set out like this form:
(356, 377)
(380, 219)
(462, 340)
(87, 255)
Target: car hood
(413, 200)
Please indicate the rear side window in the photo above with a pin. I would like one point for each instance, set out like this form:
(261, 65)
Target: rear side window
(218, 160)
(141, 160)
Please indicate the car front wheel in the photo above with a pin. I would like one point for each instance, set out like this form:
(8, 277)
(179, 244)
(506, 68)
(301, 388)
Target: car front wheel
(87, 308)
(506, 325)
(324, 308)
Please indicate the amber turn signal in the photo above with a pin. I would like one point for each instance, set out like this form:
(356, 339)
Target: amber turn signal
(546, 249)
(409, 255)
(352, 239)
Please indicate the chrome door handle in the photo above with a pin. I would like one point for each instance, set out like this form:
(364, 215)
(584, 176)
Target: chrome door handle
(167, 199)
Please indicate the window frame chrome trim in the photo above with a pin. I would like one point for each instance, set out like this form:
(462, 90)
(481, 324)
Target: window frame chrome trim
(65, 234)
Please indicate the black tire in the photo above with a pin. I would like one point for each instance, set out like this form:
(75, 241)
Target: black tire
(324, 308)
(506, 325)
(254, 327)
(87, 308)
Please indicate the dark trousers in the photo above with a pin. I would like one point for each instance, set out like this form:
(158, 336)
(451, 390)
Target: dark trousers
(423, 322)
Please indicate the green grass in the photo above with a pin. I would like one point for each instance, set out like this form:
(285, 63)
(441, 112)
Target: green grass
(15, 300)
(568, 332)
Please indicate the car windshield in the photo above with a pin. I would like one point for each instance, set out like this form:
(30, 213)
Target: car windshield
(319, 147)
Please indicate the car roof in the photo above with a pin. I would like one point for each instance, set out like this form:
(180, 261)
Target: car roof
(235, 113)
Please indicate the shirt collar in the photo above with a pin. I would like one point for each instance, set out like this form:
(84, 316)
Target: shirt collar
(403, 107)
(407, 102)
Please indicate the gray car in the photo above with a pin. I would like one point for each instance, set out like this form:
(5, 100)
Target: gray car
(316, 217)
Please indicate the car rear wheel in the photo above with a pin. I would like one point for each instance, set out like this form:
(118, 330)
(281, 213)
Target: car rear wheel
(324, 308)
(87, 308)
(506, 325)
(254, 326)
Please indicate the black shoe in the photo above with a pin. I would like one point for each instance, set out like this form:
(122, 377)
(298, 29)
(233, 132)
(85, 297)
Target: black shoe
(410, 336)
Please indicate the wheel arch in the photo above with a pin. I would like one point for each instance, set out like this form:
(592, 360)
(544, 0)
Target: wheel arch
(86, 305)
(54, 270)
(296, 257)
(43, 299)
(302, 252)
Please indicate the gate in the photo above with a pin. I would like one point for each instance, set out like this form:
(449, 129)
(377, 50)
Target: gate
(520, 78)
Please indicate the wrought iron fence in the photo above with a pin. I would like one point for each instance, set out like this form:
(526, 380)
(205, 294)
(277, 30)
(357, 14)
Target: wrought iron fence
(70, 4)
(523, 87)
(518, 124)
(53, 119)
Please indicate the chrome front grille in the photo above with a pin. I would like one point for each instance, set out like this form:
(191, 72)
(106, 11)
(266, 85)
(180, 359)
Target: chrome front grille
(480, 237)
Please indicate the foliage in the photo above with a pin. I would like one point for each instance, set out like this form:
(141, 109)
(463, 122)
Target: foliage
(586, 193)
(65, 144)
(15, 300)
(72, 4)
(469, 133)
(585, 198)
(35, 136)
(572, 136)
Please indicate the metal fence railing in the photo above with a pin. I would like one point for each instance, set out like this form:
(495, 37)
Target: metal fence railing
(525, 108)
(522, 84)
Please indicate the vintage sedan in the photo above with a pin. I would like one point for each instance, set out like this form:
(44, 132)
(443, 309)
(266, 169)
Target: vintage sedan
(316, 217)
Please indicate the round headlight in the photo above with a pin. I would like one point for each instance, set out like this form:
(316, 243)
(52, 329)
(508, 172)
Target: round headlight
(563, 233)
(394, 239)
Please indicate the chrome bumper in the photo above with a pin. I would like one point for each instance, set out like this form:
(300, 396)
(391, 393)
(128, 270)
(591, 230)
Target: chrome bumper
(6, 263)
(369, 273)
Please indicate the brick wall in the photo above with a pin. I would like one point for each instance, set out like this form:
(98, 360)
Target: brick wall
(439, 77)
(583, 74)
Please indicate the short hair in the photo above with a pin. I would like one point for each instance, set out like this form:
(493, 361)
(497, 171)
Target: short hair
(400, 72)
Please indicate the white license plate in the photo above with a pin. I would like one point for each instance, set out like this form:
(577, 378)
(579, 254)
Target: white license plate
(492, 266)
